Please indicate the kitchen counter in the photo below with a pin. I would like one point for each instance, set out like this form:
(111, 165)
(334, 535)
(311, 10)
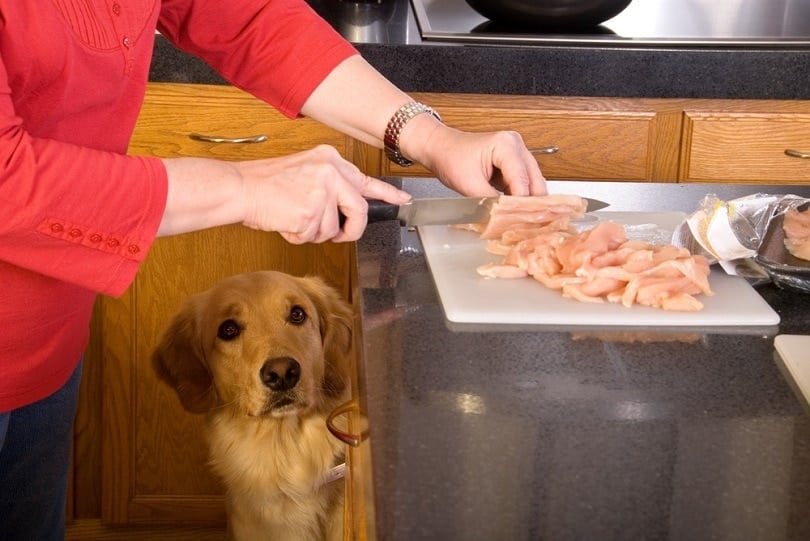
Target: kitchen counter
(395, 48)
(537, 433)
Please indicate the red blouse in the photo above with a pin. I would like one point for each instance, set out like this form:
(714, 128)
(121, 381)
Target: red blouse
(77, 215)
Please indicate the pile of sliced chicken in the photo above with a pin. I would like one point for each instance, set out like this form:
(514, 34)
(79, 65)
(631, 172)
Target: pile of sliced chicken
(537, 239)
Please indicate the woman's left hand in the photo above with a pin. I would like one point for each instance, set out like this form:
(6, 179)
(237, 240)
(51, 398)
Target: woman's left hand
(477, 164)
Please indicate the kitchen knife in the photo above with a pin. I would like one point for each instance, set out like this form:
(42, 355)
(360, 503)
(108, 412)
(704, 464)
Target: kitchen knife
(443, 211)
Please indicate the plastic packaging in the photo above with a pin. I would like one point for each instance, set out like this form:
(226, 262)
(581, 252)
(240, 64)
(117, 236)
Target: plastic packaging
(745, 237)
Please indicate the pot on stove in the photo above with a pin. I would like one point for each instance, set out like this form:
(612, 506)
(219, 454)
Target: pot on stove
(548, 14)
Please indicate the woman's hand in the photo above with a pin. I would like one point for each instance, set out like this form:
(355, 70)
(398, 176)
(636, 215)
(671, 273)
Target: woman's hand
(473, 164)
(301, 196)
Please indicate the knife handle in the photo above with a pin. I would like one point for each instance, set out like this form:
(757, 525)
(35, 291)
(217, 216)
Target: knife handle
(378, 211)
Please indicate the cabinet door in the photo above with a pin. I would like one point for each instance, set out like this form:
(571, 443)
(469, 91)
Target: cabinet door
(153, 453)
(573, 138)
(746, 142)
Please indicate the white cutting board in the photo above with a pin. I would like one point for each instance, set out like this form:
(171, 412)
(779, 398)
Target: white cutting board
(453, 256)
(794, 350)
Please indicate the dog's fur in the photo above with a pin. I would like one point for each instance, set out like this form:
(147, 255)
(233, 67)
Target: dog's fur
(222, 353)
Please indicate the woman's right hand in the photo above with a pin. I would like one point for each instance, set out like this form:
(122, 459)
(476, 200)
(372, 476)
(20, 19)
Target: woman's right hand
(301, 196)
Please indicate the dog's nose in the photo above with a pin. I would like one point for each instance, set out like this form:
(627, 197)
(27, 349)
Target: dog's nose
(281, 373)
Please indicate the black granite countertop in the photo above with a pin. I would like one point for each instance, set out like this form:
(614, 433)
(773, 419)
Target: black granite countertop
(531, 434)
(397, 50)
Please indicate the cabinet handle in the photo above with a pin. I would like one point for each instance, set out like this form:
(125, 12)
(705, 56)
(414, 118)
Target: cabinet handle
(351, 439)
(232, 140)
(797, 153)
(544, 150)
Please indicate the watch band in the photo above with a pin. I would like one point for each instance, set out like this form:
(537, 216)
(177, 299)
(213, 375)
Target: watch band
(392, 132)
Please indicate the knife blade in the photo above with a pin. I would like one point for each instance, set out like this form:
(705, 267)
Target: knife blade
(443, 210)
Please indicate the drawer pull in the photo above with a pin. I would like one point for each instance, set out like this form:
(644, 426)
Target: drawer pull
(797, 153)
(231, 140)
(544, 150)
(351, 439)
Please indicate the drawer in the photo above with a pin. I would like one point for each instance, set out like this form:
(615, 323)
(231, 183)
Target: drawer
(172, 112)
(745, 147)
(592, 138)
(568, 144)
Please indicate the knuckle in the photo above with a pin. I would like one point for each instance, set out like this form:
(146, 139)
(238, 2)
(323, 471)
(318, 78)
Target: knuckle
(325, 151)
(508, 137)
(514, 136)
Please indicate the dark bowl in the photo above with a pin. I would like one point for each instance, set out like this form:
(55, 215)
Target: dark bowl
(549, 13)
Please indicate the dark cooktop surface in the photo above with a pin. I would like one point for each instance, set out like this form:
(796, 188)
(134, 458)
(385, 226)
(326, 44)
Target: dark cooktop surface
(724, 23)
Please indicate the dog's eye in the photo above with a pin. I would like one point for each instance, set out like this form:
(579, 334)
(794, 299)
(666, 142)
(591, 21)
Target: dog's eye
(228, 330)
(297, 315)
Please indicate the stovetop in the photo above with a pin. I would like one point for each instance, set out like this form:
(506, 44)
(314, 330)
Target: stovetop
(715, 23)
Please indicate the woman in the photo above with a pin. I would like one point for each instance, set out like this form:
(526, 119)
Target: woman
(79, 216)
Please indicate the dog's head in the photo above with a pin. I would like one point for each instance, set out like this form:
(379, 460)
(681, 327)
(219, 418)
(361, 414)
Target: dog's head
(261, 343)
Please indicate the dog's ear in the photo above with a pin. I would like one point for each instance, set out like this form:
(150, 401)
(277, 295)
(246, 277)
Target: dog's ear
(336, 320)
(179, 360)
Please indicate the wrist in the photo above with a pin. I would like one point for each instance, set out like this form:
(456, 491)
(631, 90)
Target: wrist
(413, 118)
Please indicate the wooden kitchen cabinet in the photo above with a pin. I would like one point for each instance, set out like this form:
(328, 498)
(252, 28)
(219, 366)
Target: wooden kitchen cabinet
(574, 138)
(651, 139)
(744, 141)
(140, 459)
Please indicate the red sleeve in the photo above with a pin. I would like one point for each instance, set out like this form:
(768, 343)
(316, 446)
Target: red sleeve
(277, 50)
(65, 213)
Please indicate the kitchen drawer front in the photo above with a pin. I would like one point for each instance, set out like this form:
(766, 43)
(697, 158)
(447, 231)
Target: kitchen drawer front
(745, 147)
(587, 145)
(173, 112)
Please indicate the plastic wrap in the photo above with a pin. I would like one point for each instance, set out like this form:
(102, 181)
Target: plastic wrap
(745, 237)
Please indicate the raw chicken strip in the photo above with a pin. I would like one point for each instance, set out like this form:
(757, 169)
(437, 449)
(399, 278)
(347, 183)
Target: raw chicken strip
(514, 213)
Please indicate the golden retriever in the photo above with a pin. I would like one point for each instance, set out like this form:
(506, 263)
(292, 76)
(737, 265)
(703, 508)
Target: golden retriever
(265, 355)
